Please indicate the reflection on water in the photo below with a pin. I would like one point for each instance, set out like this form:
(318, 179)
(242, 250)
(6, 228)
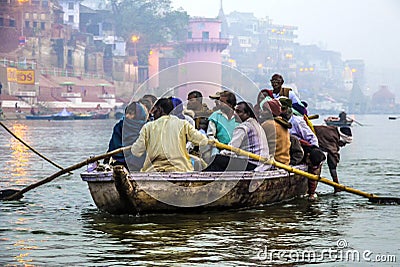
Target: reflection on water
(57, 224)
(20, 155)
(229, 237)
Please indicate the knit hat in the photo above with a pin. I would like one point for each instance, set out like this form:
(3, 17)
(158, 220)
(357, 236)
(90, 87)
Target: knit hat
(178, 108)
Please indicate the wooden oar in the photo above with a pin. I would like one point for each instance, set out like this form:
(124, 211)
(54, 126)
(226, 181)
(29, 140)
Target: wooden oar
(31, 148)
(313, 117)
(372, 197)
(359, 123)
(13, 194)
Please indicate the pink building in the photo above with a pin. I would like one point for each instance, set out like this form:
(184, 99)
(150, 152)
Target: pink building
(203, 45)
(200, 66)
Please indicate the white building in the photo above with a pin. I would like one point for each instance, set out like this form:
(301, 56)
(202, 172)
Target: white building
(71, 12)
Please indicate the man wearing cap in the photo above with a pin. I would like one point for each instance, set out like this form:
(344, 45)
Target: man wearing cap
(215, 97)
(330, 140)
(222, 122)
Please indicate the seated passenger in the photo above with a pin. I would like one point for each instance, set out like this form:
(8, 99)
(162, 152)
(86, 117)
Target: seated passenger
(222, 122)
(277, 132)
(164, 141)
(125, 133)
(200, 109)
(249, 136)
(313, 155)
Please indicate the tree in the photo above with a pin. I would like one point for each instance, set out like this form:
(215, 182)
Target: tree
(153, 20)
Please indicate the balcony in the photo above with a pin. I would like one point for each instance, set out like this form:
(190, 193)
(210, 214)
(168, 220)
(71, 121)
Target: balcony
(71, 95)
(25, 94)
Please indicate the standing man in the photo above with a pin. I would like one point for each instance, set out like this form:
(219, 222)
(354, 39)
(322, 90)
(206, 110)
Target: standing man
(330, 140)
(277, 82)
(164, 140)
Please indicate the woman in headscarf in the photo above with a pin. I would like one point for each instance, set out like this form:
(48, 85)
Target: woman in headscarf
(125, 133)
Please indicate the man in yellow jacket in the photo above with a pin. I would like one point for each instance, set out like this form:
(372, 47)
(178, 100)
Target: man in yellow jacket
(164, 141)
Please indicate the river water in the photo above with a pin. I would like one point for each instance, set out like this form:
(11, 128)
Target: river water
(57, 224)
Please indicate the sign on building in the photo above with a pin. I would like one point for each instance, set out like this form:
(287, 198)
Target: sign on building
(21, 76)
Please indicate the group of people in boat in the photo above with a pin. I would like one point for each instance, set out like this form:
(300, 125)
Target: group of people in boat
(166, 136)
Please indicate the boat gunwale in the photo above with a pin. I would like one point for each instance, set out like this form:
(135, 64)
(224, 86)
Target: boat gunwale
(107, 176)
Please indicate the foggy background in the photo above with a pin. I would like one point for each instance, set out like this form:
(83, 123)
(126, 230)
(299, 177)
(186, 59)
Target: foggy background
(358, 29)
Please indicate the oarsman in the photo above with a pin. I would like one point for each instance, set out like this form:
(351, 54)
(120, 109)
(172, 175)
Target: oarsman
(330, 140)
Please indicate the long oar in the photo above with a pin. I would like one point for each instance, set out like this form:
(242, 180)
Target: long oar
(359, 123)
(372, 197)
(13, 194)
(31, 148)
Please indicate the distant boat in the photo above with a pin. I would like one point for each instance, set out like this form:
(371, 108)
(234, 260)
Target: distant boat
(39, 117)
(64, 115)
(119, 113)
(393, 118)
(335, 121)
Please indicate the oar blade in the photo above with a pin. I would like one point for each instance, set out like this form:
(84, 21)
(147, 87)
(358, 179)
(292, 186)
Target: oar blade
(6, 193)
(385, 200)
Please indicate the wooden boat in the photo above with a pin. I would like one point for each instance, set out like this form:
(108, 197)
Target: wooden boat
(119, 192)
(63, 115)
(39, 117)
(335, 121)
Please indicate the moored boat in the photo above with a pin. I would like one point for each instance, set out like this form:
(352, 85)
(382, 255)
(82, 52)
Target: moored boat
(335, 121)
(39, 117)
(119, 192)
(64, 115)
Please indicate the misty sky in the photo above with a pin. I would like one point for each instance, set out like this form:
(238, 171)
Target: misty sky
(358, 29)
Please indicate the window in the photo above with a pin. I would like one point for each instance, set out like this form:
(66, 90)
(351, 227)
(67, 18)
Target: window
(34, 24)
(27, 15)
(12, 22)
(42, 16)
(205, 35)
(70, 5)
(34, 16)
(42, 25)
(1, 22)
(27, 24)
(45, 3)
(190, 35)
(71, 18)
(35, 2)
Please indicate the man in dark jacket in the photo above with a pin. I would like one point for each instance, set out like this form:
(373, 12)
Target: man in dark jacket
(330, 139)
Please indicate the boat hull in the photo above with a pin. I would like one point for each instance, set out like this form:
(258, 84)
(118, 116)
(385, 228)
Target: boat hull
(198, 191)
(335, 121)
